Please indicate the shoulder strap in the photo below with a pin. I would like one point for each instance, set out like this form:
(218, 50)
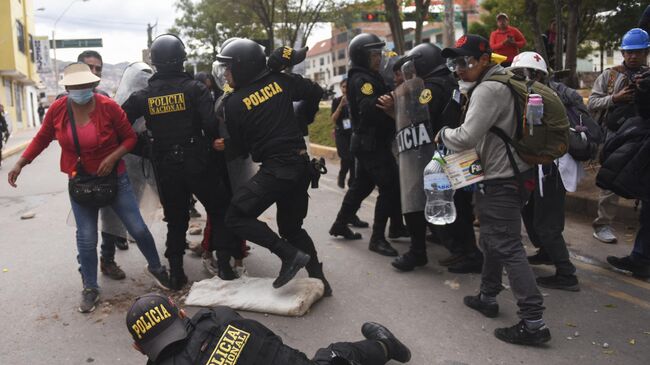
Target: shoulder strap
(505, 79)
(74, 128)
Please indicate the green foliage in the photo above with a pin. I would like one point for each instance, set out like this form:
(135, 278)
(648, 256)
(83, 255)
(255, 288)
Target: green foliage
(320, 131)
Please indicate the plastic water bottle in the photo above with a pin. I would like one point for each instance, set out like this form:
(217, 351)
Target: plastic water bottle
(440, 208)
(534, 111)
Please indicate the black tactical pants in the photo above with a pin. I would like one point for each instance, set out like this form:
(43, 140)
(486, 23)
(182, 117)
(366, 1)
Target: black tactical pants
(377, 168)
(282, 181)
(544, 220)
(342, 139)
(177, 182)
(364, 352)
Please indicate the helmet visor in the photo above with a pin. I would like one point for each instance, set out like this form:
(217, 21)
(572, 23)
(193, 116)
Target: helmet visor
(408, 70)
(219, 70)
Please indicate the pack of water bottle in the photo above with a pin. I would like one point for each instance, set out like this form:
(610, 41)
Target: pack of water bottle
(440, 208)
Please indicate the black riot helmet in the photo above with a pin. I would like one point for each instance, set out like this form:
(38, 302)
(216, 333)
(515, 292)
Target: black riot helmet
(426, 58)
(245, 59)
(167, 52)
(360, 47)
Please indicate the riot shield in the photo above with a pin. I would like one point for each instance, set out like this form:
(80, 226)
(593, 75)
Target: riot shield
(140, 170)
(240, 165)
(414, 142)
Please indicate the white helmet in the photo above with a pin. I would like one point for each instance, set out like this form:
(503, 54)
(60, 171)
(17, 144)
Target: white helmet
(529, 60)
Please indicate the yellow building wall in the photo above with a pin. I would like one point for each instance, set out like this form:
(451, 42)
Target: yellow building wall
(17, 71)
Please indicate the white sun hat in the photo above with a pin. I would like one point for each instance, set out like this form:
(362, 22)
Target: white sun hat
(78, 73)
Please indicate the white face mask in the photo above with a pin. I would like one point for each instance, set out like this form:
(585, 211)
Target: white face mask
(466, 86)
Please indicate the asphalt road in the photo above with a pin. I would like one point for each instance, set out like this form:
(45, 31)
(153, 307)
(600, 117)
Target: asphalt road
(40, 289)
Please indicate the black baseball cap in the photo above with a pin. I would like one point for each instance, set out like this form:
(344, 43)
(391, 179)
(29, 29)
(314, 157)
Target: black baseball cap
(283, 57)
(154, 324)
(468, 45)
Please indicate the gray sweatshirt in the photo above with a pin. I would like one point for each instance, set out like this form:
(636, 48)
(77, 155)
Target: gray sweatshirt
(491, 104)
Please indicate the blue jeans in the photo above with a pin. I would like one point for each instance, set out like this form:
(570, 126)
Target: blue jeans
(641, 250)
(126, 208)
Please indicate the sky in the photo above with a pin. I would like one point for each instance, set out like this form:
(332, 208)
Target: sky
(121, 24)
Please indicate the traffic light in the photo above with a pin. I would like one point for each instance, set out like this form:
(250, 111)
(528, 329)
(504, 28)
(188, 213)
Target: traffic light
(371, 17)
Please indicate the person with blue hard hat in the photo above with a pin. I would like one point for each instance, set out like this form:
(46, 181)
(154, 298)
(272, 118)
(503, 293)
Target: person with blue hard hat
(612, 102)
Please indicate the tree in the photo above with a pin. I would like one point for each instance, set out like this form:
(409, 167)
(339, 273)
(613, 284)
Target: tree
(572, 41)
(394, 17)
(421, 13)
(449, 37)
(531, 11)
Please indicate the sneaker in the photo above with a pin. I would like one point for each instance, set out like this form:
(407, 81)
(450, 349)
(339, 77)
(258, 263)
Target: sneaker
(396, 349)
(519, 334)
(604, 234)
(382, 247)
(89, 298)
(340, 229)
(627, 263)
(466, 266)
(160, 277)
(110, 269)
(540, 258)
(557, 281)
(487, 309)
(409, 261)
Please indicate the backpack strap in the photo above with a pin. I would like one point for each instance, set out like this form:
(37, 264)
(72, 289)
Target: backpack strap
(505, 80)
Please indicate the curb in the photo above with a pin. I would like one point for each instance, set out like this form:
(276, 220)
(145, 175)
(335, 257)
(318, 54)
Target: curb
(15, 149)
(573, 202)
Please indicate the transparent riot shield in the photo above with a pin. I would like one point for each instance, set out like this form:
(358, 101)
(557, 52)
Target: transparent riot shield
(414, 143)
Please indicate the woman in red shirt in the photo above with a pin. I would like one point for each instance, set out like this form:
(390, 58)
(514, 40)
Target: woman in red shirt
(105, 135)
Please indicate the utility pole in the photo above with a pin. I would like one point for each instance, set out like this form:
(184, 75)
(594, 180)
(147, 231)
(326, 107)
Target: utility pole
(449, 36)
(150, 33)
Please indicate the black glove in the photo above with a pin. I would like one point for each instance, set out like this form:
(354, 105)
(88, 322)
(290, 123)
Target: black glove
(283, 57)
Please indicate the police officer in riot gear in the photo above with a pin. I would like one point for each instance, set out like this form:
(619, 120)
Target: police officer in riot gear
(261, 121)
(219, 335)
(179, 114)
(373, 133)
(439, 92)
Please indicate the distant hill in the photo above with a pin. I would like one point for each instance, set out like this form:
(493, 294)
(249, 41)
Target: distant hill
(111, 75)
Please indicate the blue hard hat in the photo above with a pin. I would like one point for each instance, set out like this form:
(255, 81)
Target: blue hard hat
(635, 38)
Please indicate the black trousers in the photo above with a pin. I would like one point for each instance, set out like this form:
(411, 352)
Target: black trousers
(364, 352)
(282, 181)
(544, 220)
(177, 181)
(377, 168)
(342, 140)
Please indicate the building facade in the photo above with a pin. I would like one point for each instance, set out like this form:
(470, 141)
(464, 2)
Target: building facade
(318, 63)
(18, 76)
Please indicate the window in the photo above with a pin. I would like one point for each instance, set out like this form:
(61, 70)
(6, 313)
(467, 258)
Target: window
(341, 54)
(328, 59)
(334, 71)
(342, 37)
(610, 53)
(20, 31)
(31, 48)
(409, 44)
(439, 38)
(342, 70)
(9, 95)
(322, 61)
(426, 40)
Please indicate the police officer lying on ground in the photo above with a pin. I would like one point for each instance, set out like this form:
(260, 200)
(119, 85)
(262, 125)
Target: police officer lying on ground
(220, 335)
(179, 114)
(261, 121)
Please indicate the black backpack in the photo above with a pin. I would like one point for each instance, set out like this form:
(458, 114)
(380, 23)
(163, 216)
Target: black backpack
(585, 135)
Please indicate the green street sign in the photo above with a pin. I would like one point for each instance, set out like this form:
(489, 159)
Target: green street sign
(77, 43)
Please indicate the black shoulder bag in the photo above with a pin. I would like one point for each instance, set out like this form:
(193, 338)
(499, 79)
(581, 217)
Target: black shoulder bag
(86, 189)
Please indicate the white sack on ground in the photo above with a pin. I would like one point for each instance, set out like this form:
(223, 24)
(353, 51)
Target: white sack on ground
(257, 295)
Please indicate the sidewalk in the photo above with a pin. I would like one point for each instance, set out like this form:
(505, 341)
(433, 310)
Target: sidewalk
(584, 201)
(18, 141)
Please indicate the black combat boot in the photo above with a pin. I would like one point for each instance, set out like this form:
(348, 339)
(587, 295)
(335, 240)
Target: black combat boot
(358, 223)
(224, 270)
(292, 261)
(410, 260)
(341, 229)
(177, 277)
(315, 270)
(395, 349)
(381, 246)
